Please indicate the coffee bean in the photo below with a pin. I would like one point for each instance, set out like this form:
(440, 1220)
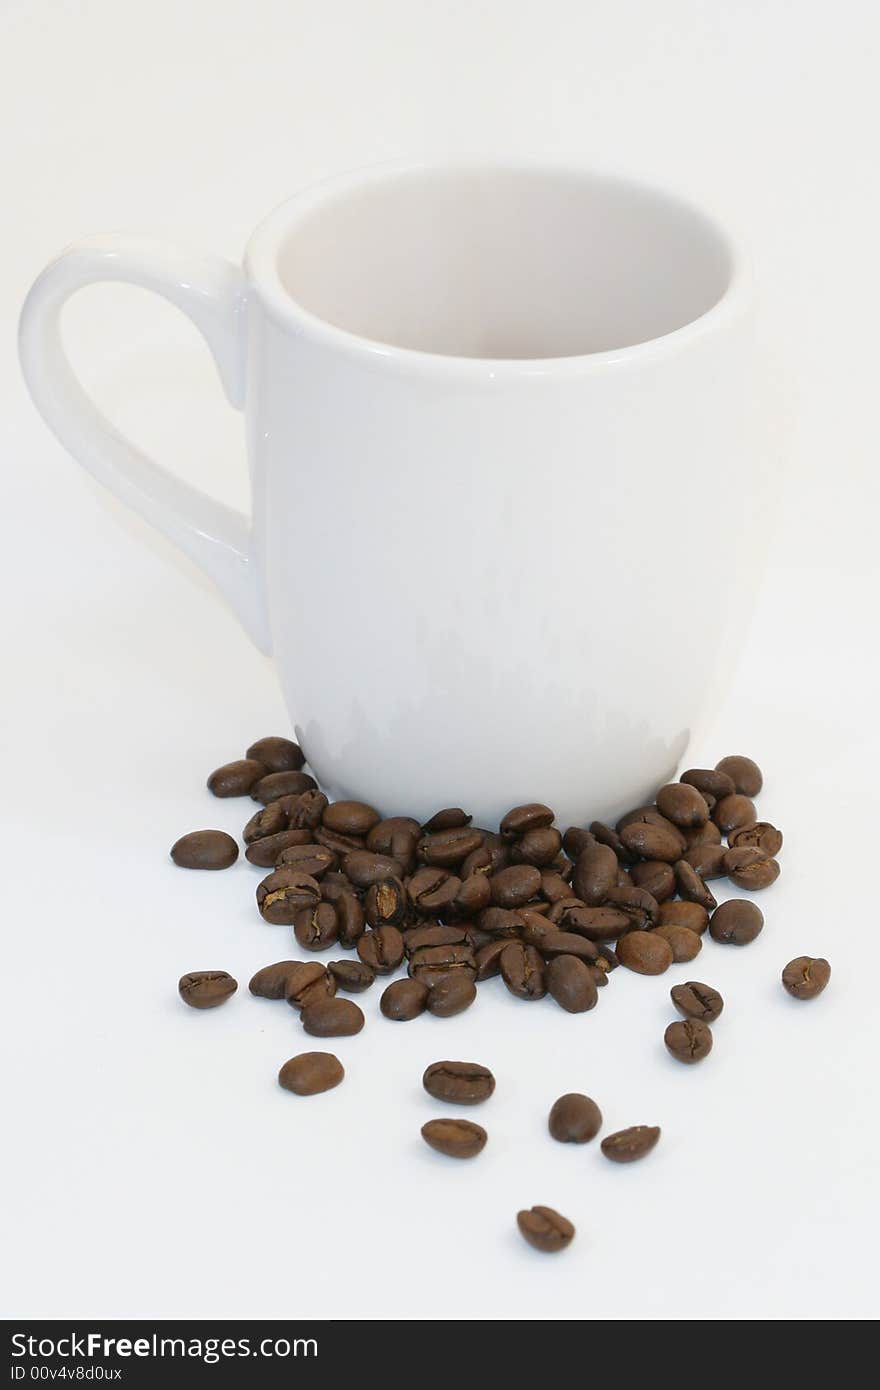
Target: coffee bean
(236, 779)
(571, 984)
(451, 994)
(204, 849)
(532, 816)
(341, 845)
(627, 1145)
(697, 1000)
(350, 919)
(606, 835)
(307, 982)
(316, 860)
(606, 961)
(639, 906)
(381, 949)
(205, 989)
(708, 860)
(332, 1018)
(277, 754)
(350, 817)
(488, 959)
(304, 812)
(311, 1073)
(750, 868)
(644, 952)
(762, 835)
(266, 852)
(707, 834)
(449, 848)
(282, 894)
(474, 894)
(403, 1000)
(459, 1083)
(501, 921)
(271, 981)
(709, 782)
(431, 963)
(276, 785)
(493, 854)
(595, 872)
(451, 818)
(271, 821)
(653, 841)
(516, 885)
(684, 943)
(681, 914)
(736, 922)
(655, 877)
(691, 886)
(432, 890)
(746, 776)
(562, 943)
(316, 928)
(354, 976)
(576, 840)
(553, 886)
(385, 903)
(593, 923)
(734, 812)
(683, 805)
(363, 868)
(545, 1229)
(396, 837)
(522, 970)
(575, 1119)
(688, 1040)
(806, 976)
(539, 847)
(455, 1138)
(433, 934)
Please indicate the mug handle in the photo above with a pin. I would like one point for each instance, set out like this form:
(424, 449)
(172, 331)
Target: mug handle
(212, 293)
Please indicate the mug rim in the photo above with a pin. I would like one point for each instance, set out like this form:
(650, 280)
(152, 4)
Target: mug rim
(262, 253)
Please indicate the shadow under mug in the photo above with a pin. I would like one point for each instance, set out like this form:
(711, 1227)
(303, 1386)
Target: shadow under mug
(503, 538)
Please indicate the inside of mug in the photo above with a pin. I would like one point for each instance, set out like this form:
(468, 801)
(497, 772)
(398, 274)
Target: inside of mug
(504, 263)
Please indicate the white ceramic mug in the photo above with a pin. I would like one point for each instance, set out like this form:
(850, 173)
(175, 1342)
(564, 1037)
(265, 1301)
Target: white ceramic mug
(496, 420)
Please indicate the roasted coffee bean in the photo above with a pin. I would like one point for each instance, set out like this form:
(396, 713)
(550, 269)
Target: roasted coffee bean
(595, 872)
(324, 987)
(271, 821)
(746, 776)
(350, 919)
(607, 835)
(655, 877)
(475, 936)
(733, 812)
(683, 805)
(473, 896)
(455, 1138)
(205, 989)
(709, 782)
(644, 952)
(540, 847)
(576, 840)
(432, 890)
(449, 848)
(354, 976)
(688, 1040)
(684, 943)
(488, 959)
(304, 812)
(236, 779)
(806, 976)
(653, 841)
(341, 845)
(364, 868)
(307, 980)
(749, 867)
(309, 859)
(433, 934)
(736, 922)
(282, 894)
(316, 928)
(334, 884)
(451, 994)
(593, 923)
(553, 886)
(571, 984)
(310, 1073)
(480, 863)
(545, 1229)
(627, 1145)
(452, 818)
(493, 854)
(396, 837)
(696, 1000)
(691, 915)
(332, 1018)
(707, 834)
(574, 1119)
(501, 921)
(431, 963)
(691, 886)
(403, 1000)
(271, 981)
(638, 905)
(648, 815)
(350, 817)
(459, 1083)
(522, 970)
(606, 961)
(385, 903)
(535, 926)
(204, 849)
(708, 860)
(267, 851)
(565, 943)
(277, 754)
(762, 835)
(532, 816)
(276, 785)
(515, 886)
(381, 949)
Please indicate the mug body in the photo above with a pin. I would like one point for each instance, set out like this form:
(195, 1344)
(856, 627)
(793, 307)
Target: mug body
(503, 482)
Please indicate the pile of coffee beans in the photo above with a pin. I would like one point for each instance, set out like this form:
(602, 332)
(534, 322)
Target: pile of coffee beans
(551, 912)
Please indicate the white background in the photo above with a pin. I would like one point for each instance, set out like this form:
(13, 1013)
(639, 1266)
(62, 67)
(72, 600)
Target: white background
(151, 1165)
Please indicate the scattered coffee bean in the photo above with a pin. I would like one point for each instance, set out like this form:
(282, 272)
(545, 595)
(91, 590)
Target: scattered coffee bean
(539, 847)
(595, 874)
(205, 989)
(451, 994)
(806, 976)
(473, 896)
(533, 816)
(522, 970)
(691, 886)
(431, 963)
(651, 841)
(381, 949)
(286, 892)
(271, 821)
(350, 817)
(459, 1083)
(332, 1018)
(707, 860)
(639, 906)
(351, 975)
(750, 868)
(696, 1000)
(449, 848)
(433, 934)
(455, 1138)
(707, 834)
(746, 776)
(688, 1040)
(341, 845)
(451, 818)
(307, 982)
(364, 868)
(685, 944)
(276, 785)
(545, 1229)
(397, 838)
(488, 959)
(682, 914)
(736, 922)
(605, 835)
(271, 981)
(432, 890)
(277, 754)
(304, 812)
(385, 903)
(710, 782)
(576, 840)
(236, 779)
(627, 1145)
(656, 877)
(515, 886)
(571, 984)
(593, 923)
(575, 1119)
(734, 812)
(268, 851)
(762, 835)
(316, 928)
(316, 860)
(311, 1073)
(403, 1000)
(683, 805)
(644, 952)
(204, 849)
